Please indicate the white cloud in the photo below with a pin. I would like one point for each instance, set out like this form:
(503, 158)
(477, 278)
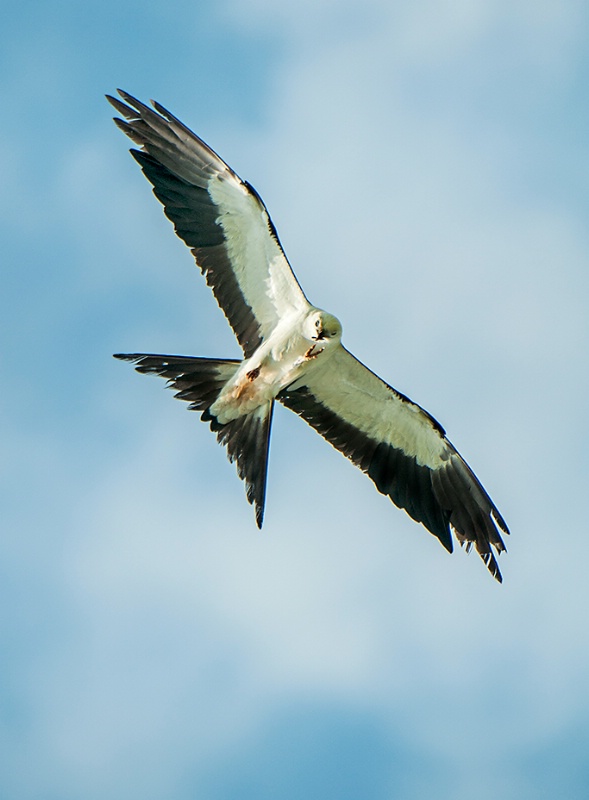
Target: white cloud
(541, 34)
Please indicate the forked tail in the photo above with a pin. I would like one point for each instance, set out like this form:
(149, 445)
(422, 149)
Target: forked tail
(199, 381)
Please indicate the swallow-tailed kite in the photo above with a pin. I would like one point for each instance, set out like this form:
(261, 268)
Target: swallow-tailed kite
(292, 350)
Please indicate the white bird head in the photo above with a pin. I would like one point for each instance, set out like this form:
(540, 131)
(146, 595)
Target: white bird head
(322, 326)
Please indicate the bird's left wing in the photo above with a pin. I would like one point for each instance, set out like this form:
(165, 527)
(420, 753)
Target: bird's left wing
(220, 217)
(402, 448)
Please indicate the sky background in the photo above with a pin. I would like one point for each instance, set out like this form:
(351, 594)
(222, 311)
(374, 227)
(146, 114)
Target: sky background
(427, 167)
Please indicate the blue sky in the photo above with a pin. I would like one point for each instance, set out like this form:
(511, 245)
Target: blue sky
(426, 165)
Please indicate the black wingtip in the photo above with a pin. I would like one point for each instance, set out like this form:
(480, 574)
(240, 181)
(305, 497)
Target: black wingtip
(493, 567)
(120, 107)
(133, 106)
(500, 522)
(488, 558)
(128, 98)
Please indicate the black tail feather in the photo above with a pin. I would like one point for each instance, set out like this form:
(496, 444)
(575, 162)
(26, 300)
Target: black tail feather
(199, 381)
(247, 440)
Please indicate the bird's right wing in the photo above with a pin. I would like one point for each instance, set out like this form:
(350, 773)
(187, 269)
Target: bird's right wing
(220, 217)
(402, 448)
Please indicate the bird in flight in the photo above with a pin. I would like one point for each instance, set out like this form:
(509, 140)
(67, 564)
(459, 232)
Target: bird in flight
(292, 351)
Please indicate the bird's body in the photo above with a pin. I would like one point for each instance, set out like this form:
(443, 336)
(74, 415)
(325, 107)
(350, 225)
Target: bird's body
(295, 346)
(292, 350)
